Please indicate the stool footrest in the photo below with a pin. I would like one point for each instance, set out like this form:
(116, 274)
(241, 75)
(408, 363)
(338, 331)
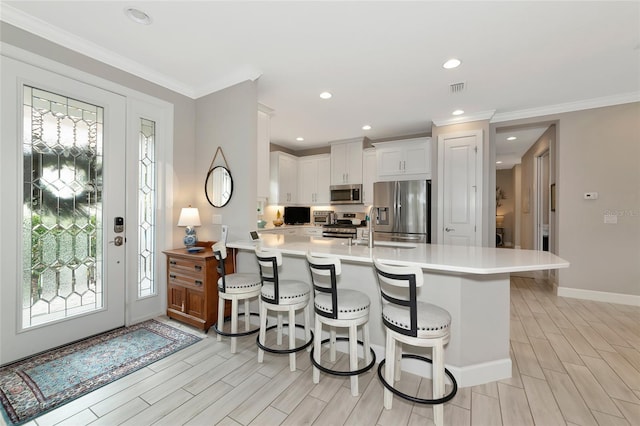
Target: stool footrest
(442, 400)
(344, 373)
(284, 351)
(239, 334)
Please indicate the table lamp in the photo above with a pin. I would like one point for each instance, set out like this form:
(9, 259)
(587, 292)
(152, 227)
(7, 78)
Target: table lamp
(189, 217)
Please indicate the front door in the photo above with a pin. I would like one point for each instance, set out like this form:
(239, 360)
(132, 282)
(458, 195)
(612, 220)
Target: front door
(62, 217)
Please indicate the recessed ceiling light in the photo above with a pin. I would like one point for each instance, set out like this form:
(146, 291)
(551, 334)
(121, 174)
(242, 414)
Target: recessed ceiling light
(512, 138)
(325, 95)
(451, 63)
(136, 15)
(458, 112)
(498, 162)
(366, 127)
(299, 139)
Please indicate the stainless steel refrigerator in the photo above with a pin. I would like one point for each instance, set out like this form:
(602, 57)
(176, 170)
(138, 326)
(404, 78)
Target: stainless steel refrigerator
(402, 211)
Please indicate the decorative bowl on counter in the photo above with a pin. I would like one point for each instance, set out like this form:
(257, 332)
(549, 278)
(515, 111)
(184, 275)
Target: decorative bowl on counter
(262, 223)
(278, 222)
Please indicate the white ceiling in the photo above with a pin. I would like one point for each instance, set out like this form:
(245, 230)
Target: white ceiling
(381, 60)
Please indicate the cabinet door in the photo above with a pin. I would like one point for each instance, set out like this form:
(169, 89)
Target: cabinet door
(289, 179)
(307, 180)
(195, 304)
(417, 159)
(368, 175)
(389, 161)
(177, 298)
(338, 164)
(323, 181)
(354, 162)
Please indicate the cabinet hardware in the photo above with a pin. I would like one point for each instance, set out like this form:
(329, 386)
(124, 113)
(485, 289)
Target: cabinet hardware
(173, 277)
(173, 262)
(449, 229)
(198, 267)
(198, 283)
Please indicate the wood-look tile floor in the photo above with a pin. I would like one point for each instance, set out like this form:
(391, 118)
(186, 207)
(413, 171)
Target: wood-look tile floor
(575, 362)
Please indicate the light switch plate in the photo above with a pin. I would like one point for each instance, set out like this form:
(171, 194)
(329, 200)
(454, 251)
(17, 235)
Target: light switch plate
(590, 195)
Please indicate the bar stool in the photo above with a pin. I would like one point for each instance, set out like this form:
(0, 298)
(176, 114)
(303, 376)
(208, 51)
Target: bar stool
(338, 308)
(234, 287)
(281, 296)
(414, 323)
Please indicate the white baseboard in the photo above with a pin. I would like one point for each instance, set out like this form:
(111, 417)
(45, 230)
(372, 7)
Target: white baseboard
(599, 296)
(472, 375)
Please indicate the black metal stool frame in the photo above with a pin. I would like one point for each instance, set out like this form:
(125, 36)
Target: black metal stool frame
(276, 301)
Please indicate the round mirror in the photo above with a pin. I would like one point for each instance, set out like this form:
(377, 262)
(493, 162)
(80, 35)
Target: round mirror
(219, 186)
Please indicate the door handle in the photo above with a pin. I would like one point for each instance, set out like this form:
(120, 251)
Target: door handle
(117, 241)
(449, 229)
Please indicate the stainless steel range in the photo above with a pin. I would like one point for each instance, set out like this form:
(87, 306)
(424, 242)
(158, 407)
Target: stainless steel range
(342, 228)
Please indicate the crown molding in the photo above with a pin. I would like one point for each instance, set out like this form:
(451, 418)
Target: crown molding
(623, 98)
(237, 77)
(465, 118)
(70, 41)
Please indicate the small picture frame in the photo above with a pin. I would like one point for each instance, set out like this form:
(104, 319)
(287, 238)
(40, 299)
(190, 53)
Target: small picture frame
(552, 197)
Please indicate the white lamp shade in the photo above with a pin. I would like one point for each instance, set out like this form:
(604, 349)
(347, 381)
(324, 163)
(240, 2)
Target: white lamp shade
(189, 216)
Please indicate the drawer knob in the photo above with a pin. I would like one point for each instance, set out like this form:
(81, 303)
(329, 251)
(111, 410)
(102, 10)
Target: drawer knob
(173, 277)
(173, 262)
(198, 267)
(198, 283)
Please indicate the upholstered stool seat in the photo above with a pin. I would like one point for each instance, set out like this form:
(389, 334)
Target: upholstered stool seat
(234, 287)
(338, 308)
(409, 321)
(281, 295)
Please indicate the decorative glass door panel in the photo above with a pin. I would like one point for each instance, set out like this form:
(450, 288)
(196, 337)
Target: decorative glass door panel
(62, 214)
(64, 184)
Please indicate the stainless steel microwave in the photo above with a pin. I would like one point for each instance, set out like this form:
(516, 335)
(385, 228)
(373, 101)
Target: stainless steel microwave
(346, 194)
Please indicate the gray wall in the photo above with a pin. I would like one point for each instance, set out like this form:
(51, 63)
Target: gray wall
(596, 150)
(228, 119)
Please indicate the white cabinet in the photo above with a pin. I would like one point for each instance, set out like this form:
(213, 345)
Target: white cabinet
(315, 231)
(369, 175)
(284, 178)
(404, 160)
(262, 167)
(346, 162)
(313, 179)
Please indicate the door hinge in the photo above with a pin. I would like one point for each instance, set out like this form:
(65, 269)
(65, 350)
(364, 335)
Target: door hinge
(475, 148)
(474, 228)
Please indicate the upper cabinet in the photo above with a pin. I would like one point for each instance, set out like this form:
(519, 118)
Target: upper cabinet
(284, 178)
(369, 174)
(406, 159)
(313, 179)
(346, 162)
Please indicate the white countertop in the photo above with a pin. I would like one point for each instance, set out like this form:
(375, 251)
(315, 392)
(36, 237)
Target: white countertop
(470, 260)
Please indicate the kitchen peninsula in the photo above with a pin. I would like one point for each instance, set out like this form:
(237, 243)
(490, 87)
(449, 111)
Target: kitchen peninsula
(472, 283)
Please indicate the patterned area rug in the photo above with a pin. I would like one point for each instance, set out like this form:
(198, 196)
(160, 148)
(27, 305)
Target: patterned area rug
(46, 381)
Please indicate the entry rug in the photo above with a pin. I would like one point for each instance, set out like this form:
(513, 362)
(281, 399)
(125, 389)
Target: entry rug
(46, 381)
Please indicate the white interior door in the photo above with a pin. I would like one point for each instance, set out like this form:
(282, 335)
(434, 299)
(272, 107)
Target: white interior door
(63, 181)
(460, 188)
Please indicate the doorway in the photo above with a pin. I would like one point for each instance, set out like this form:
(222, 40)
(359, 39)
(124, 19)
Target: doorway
(542, 202)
